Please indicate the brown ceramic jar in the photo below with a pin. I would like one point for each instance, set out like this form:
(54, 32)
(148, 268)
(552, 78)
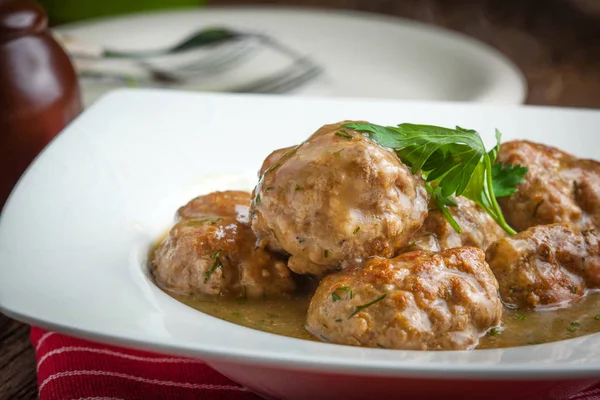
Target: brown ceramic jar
(38, 89)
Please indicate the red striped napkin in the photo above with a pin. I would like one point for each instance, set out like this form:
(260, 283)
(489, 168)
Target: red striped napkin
(70, 368)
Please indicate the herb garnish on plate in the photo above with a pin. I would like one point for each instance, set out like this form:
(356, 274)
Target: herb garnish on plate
(453, 162)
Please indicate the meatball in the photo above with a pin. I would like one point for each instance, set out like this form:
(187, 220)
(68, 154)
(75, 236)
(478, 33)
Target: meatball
(217, 254)
(230, 203)
(273, 158)
(558, 188)
(417, 301)
(547, 265)
(336, 199)
(478, 228)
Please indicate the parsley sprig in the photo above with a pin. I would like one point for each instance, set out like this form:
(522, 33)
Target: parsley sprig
(453, 162)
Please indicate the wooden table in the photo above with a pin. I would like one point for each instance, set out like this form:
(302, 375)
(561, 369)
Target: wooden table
(555, 42)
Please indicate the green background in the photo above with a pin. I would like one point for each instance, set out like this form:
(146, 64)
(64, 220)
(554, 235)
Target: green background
(62, 11)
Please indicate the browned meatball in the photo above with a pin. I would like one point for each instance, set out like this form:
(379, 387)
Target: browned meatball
(230, 203)
(218, 254)
(416, 301)
(337, 199)
(478, 228)
(547, 265)
(273, 158)
(558, 188)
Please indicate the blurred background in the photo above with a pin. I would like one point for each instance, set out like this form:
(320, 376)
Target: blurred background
(494, 51)
(553, 43)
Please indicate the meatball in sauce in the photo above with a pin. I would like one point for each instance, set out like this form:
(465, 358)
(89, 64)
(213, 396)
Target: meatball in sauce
(231, 203)
(558, 188)
(478, 229)
(212, 250)
(546, 266)
(335, 200)
(417, 301)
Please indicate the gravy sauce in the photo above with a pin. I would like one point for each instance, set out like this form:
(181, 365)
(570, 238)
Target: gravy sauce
(519, 328)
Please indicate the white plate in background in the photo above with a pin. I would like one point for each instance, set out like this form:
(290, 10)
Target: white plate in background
(75, 233)
(363, 54)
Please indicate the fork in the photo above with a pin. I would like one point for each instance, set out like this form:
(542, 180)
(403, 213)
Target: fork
(302, 70)
(282, 82)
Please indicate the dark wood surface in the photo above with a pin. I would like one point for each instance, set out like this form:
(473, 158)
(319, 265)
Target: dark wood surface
(555, 42)
(17, 361)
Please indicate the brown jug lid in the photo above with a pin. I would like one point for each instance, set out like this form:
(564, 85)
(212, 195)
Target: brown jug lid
(20, 18)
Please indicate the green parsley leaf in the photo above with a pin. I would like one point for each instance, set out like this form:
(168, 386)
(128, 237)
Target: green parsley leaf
(454, 161)
(441, 203)
(506, 177)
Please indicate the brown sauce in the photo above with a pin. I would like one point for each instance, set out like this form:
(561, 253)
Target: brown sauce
(519, 328)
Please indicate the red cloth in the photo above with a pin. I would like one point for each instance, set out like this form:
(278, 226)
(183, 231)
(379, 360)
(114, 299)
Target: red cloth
(70, 368)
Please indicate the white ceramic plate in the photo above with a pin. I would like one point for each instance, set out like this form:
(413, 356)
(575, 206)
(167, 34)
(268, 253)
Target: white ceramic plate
(75, 233)
(364, 55)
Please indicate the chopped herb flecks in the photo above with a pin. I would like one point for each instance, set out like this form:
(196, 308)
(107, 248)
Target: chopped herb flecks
(494, 332)
(362, 307)
(335, 295)
(337, 153)
(520, 317)
(344, 134)
(298, 187)
(217, 264)
(196, 222)
(356, 230)
(381, 346)
(269, 188)
(324, 338)
(597, 317)
(325, 253)
(573, 289)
